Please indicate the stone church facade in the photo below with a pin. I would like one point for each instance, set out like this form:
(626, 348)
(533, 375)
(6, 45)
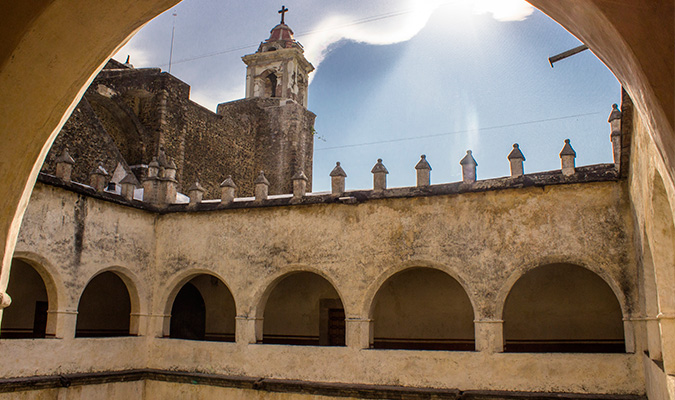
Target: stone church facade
(529, 285)
(129, 116)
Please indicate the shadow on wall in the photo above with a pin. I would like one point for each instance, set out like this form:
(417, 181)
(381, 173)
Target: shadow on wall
(423, 309)
(304, 309)
(562, 308)
(203, 309)
(27, 317)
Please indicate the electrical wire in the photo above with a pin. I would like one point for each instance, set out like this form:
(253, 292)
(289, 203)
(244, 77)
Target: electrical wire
(458, 132)
(361, 21)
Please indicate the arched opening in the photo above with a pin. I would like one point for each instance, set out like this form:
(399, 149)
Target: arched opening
(649, 302)
(105, 308)
(562, 308)
(304, 309)
(204, 309)
(662, 235)
(424, 309)
(27, 315)
(188, 314)
(271, 85)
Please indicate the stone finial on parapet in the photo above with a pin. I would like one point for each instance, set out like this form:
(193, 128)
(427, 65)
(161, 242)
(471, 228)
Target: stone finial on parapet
(153, 168)
(227, 190)
(261, 187)
(97, 178)
(151, 183)
(615, 135)
(516, 159)
(168, 185)
(299, 184)
(468, 168)
(423, 171)
(337, 180)
(567, 156)
(170, 170)
(196, 193)
(128, 185)
(64, 166)
(379, 172)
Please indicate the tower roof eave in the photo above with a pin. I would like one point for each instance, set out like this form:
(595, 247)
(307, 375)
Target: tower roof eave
(261, 58)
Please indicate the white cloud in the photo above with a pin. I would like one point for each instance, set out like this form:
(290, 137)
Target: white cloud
(504, 10)
(138, 56)
(401, 24)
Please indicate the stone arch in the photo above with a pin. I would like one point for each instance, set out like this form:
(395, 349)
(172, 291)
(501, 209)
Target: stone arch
(661, 239)
(506, 287)
(176, 284)
(316, 314)
(56, 291)
(366, 308)
(262, 294)
(37, 299)
(136, 307)
(218, 320)
(606, 32)
(562, 307)
(270, 84)
(422, 308)
(650, 301)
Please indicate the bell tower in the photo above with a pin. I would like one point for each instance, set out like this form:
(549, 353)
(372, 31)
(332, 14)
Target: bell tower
(279, 68)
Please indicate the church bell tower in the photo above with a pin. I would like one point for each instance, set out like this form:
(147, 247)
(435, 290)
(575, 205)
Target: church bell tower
(279, 68)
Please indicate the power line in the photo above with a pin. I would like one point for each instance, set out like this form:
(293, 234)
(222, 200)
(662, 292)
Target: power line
(457, 132)
(361, 21)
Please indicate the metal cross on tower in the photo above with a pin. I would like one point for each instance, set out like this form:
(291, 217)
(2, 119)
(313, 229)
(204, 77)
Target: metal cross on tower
(283, 12)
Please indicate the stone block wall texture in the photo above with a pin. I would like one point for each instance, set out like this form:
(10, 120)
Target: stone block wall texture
(128, 114)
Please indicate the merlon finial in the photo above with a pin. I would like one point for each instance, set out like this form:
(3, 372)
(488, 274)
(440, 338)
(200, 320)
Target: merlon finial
(99, 171)
(338, 171)
(300, 175)
(516, 154)
(261, 179)
(228, 182)
(65, 157)
(379, 167)
(468, 159)
(567, 150)
(423, 163)
(615, 114)
(196, 186)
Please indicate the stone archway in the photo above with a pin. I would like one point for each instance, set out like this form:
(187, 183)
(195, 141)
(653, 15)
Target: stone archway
(303, 308)
(36, 104)
(424, 309)
(562, 308)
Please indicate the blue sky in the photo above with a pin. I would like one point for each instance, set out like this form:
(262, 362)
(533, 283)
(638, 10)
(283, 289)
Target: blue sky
(411, 77)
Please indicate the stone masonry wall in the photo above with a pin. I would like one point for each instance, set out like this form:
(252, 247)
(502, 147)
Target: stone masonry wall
(135, 112)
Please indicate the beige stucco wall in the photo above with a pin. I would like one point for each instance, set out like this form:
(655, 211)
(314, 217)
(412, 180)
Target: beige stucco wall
(485, 241)
(653, 209)
(106, 391)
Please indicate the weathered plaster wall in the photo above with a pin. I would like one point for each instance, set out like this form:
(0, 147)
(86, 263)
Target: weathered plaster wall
(105, 391)
(484, 240)
(653, 210)
(75, 237)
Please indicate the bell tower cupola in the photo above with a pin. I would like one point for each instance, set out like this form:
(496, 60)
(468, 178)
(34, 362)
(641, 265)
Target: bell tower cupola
(279, 68)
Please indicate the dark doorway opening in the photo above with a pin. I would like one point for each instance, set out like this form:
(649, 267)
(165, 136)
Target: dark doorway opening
(188, 314)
